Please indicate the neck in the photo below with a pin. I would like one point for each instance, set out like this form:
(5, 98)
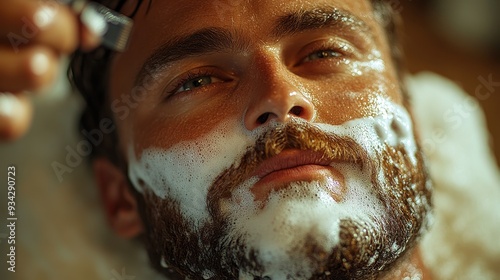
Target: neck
(410, 266)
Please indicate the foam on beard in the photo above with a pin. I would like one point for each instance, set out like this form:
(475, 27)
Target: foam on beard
(280, 232)
(185, 172)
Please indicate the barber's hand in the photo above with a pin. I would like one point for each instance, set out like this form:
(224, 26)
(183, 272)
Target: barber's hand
(34, 34)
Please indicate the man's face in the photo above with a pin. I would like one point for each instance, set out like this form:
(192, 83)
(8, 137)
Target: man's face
(268, 138)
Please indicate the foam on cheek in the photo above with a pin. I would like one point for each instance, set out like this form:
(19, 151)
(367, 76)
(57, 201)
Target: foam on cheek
(393, 128)
(185, 172)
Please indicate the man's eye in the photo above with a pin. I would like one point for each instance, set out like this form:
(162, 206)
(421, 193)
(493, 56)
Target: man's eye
(197, 82)
(322, 54)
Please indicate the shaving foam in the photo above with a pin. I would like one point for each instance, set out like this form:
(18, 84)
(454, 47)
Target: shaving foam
(291, 217)
(185, 172)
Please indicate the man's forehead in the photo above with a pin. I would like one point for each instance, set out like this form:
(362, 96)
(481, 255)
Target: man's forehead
(185, 15)
(157, 21)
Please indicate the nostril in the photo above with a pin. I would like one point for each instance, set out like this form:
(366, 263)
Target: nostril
(262, 119)
(297, 111)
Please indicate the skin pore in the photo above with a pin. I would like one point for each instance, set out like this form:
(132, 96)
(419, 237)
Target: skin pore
(303, 70)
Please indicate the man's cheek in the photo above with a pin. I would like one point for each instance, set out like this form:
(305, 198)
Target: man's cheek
(187, 170)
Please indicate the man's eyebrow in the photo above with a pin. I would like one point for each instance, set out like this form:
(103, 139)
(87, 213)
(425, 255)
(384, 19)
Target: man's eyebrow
(213, 39)
(318, 18)
(204, 41)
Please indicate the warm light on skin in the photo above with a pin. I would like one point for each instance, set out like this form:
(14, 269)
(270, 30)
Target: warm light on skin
(336, 98)
(263, 77)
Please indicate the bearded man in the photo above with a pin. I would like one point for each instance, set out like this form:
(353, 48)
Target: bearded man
(260, 139)
(264, 141)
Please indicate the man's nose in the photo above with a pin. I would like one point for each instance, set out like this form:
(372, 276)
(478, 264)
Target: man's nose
(276, 96)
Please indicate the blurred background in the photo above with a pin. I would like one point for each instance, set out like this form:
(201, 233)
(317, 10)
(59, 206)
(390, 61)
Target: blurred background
(61, 232)
(460, 40)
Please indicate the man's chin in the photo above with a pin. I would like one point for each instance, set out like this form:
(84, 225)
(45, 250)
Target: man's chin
(293, 233)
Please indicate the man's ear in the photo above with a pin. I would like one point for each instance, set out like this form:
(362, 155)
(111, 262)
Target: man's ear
(120, 204)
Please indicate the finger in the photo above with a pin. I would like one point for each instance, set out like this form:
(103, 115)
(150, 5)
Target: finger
(88, 38)
(24, 23)
(15, 116)
(31, 68)
(93, 26)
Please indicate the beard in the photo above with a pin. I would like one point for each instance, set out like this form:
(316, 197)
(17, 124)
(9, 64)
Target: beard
(299, 232)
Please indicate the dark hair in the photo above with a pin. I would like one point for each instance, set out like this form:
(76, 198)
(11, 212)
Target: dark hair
(89, 74)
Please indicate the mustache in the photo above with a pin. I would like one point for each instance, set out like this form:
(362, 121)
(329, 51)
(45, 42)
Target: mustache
(291, 135)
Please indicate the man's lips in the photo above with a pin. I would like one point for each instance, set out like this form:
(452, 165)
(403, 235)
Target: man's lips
(297, 165)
